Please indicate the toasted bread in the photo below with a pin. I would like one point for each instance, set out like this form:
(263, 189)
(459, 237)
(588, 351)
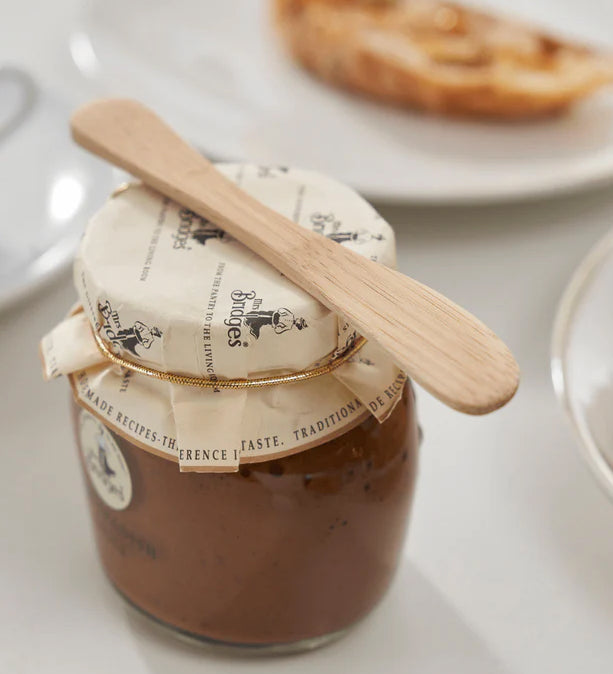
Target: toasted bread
(439, 56)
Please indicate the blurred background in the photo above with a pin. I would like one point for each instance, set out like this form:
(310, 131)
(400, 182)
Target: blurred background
(508, 564)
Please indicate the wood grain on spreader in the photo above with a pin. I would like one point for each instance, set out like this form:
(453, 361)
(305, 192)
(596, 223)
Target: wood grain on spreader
(440, 345)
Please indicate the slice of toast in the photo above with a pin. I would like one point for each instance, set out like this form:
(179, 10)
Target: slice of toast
(439, 56)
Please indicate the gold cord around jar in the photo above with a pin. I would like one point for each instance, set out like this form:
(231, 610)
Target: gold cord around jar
(203, 382)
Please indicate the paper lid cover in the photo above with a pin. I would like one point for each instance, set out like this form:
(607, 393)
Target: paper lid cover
(172, 291)
(166, 289)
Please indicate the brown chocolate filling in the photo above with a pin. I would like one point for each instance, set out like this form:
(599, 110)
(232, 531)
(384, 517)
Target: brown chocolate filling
(281, 551)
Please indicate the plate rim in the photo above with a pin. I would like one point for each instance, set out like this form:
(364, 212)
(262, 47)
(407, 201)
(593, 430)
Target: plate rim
(594, 179)
(572, 296)
(32, 281)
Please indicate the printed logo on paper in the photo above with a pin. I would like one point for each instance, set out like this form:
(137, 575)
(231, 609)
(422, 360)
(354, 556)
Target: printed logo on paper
(332, 228)
(193, 227)
(138, 335)
(272, 171)
(247, 316)
(347, 338)
(104, 463)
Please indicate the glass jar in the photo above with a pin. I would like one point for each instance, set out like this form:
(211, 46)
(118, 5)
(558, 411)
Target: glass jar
(249, 457)
(300, 548)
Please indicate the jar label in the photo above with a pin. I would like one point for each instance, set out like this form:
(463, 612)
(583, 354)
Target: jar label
(104, 463)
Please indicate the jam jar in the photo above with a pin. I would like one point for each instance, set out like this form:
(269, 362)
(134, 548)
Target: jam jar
(249, 459)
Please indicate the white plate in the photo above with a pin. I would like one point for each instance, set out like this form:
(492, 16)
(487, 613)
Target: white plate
(582, 358)
(49, 186)
(215, 69)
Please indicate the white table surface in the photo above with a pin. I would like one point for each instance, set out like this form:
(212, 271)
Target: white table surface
(509, 564)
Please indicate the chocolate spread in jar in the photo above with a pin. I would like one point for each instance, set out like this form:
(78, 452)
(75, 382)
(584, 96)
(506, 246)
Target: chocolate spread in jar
(282, 551)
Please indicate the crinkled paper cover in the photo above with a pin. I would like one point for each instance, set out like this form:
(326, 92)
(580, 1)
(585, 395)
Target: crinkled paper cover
(169, 290)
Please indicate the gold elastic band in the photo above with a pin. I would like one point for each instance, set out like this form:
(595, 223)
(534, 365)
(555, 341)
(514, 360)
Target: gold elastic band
(202, 382)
